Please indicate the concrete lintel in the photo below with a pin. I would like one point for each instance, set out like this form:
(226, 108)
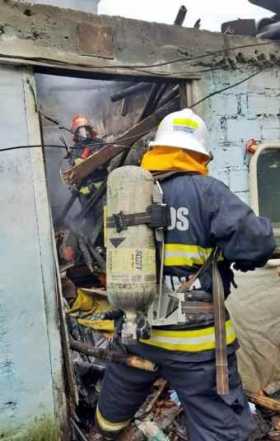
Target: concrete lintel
(52, 36)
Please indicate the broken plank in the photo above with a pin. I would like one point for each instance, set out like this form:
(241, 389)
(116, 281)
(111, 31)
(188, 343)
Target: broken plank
(263, 401)
(75, 174)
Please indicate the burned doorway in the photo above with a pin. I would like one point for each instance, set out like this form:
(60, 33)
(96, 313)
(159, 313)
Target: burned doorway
(81, 116)
(110, 118)
(120, 113)
(89, 127)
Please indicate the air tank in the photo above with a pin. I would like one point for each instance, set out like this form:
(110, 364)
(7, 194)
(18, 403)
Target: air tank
(131, 256)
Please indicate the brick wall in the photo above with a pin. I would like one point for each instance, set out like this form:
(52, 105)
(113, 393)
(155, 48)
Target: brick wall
(251, 110)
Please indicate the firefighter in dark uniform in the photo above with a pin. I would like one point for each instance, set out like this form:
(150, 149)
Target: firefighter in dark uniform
(205, 214)
(86, 143)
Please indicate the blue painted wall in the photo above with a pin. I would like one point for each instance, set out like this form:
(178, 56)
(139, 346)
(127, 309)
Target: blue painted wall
(31, 382)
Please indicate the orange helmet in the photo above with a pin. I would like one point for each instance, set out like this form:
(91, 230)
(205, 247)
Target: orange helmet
(81, 126)
(79, 121)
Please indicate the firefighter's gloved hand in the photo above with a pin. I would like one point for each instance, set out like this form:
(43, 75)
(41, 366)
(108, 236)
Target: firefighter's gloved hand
(244, 266)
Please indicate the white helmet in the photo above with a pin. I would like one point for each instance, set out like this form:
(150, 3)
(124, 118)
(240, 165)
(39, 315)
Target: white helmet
(183, 129)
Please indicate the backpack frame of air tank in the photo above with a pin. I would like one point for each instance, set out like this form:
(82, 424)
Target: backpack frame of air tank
(162, 307)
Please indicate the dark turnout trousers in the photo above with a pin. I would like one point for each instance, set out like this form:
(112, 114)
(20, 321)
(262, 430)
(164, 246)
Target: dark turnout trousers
(209, 417)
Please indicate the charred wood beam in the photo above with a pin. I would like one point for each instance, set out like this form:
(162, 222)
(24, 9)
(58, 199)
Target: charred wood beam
(124, 107)
(143, 127)
(131, 90)
(156, 95)
(183, 95)
(171, 95)
(149, 106)
(160, 94)
(113, 356)
(181, 15)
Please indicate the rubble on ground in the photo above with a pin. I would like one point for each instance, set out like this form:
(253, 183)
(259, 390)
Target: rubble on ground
(162, 410)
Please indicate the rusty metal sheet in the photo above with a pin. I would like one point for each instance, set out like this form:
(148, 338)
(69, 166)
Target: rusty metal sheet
(95, 40)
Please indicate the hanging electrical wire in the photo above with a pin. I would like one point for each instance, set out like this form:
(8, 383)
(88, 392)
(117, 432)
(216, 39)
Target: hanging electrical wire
(187, 59)
(55, 146)
(183, 59)
(231, 86)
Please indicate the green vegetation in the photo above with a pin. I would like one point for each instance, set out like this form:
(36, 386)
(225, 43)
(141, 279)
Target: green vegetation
(40, 430)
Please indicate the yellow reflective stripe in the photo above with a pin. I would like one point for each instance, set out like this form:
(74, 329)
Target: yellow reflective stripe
(84, 190)
(180, 261)
(107, 425)
(188, 333)
(186, 122)
(189, 341)
(177, 254)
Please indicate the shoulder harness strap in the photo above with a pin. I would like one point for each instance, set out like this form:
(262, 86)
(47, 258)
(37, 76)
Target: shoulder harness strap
(222, 378)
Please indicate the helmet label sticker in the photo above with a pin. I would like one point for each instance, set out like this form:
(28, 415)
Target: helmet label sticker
(186, 122)
(187, 125)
